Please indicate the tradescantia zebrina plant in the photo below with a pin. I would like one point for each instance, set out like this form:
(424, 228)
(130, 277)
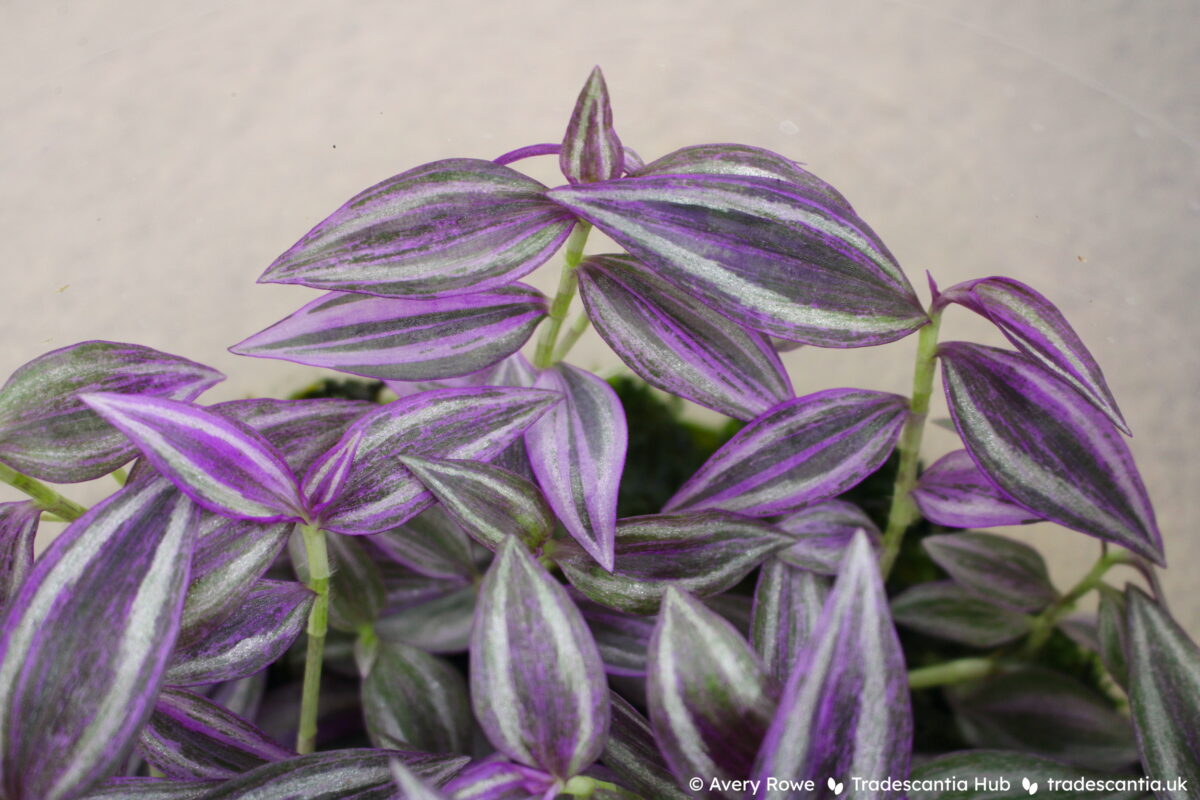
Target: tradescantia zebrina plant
(498, 586)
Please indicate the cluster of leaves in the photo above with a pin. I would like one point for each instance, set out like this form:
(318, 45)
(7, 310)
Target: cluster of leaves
(477, 515)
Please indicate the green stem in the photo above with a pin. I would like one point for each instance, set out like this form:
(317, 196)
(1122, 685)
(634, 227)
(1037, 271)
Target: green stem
(543, 355)
(1043, 625)
(964, 669)
(904, 512)
(318, 621)
(578, 326)
(46, 498)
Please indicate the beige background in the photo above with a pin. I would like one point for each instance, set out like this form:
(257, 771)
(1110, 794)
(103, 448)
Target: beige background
(157, 156)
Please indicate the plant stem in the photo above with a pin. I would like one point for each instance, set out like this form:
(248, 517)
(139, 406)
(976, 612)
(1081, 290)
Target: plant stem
(318, 621)
(1044, 624)
(578, 326)
(964, 669)
(543, 355)
(46, 498)
(904, 511)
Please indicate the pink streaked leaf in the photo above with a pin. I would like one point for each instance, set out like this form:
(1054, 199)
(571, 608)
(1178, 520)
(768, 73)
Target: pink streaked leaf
(679, 344)
(955, 493)
(450, 227)
(537, 681)
(1039, 330)
(18, 528)
(82, 654)
(223, 465)
(591, 150)
(1046, 447)
(823, 532)
(404, 339)
(300, 430)
(47, 432)
(799, 452)
(379, 493)
(787, 607)
(577, 450)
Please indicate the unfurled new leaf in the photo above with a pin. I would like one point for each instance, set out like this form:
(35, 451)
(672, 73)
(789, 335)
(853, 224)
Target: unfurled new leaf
(777, 257)
(1164, 693)
(86, 640)
(577, 450)
(537, 682)
(704, 552)
(679, 344)
(709, 697)
(999, 570)
(845, 710)
(945, 610)
(487, 502)
(189, 737)
(955, 493)
(223, 465)
(379, 493)
(1039, 330)
(404, 339)
(420, 700)
(800, 452)
(450, 227)
(47, 432)
(591, 150)
(1046, 447)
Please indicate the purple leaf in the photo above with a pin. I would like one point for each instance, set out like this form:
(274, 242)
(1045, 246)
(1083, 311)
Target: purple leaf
(1035, 710)
(824, 531)
(1047, 448)
(404, 339)
(86, 641)
(488, 503)
(787, 606)
(243, 697)
(591, 150)
(416, 700)
(189, 737)
(994, 568)
(747, 162)
(46, 432)
(709, 697)
(945, 610)
(300, 430)
(473, 423)
(537, 682)
(149, 789)
(845, 710)
(1039, 330)
(223, 465)
(678, 344)
(578, 454)
(350, 774)
(18, 528)
(996, 769)
(778, 257)
(439, 625)
(411, 787)
(450, 227)
(357, 593)
(430, 543)
(703, 552)
(500, 780)
(230, 555)
(800, 452)
(264, 625)
(1164, 692)
(632, 753)
(955, 493)
(621, 638)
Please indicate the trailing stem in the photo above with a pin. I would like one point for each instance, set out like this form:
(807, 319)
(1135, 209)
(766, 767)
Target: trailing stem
(543, 355)
(964, 669)
(1045, 622)
(318, 622)
(903, 512)
(46, 498)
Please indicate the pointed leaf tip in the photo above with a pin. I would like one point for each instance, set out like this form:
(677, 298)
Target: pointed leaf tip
(591, 150)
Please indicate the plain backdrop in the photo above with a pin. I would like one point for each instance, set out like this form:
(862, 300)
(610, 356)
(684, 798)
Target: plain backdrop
(158, 155)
